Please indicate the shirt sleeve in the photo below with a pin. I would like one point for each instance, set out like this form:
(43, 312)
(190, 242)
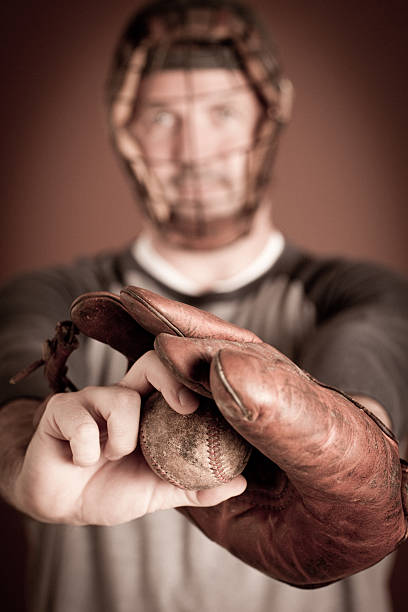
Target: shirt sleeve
(360, 342)
(30, 307)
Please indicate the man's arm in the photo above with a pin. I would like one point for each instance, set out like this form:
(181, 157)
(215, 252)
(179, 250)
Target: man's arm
(360, 343)
(16, 430)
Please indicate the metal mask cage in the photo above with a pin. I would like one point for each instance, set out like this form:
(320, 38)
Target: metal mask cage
(197, 37)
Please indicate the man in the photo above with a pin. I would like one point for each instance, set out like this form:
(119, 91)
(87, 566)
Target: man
(196, 104)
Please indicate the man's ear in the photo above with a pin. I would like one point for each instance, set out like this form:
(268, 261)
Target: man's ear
(285, 103)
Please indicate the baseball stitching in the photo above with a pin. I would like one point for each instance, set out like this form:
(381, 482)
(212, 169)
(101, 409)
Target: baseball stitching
(214, 452)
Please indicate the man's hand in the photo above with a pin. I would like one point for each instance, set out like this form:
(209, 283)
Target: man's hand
(83, 465)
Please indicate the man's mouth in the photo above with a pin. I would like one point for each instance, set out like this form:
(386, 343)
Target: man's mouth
(198, 188)
(191, 191)
(210, 205)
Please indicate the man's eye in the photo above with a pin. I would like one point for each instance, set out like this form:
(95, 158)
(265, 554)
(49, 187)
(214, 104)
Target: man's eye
(164, 118)
(224, 113)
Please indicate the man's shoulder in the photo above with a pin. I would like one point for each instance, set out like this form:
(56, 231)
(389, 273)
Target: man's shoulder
(92, 272)
(314, 267)
(335, 281)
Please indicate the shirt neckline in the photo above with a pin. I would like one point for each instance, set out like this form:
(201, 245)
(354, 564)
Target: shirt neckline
(159, 268)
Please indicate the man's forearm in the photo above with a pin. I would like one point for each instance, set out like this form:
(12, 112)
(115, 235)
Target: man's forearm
(16, 430)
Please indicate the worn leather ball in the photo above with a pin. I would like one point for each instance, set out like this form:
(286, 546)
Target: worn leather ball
(195, 451)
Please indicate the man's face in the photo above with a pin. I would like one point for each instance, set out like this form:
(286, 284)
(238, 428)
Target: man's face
(195, 129)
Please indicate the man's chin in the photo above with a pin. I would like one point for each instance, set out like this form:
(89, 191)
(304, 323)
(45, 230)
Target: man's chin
(205, 234)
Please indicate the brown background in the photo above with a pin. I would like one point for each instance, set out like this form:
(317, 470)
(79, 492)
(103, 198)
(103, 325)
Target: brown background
(340, 183)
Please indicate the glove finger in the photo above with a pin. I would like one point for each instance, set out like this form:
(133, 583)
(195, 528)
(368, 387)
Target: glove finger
(102, 316)
(189, 359)
(158, 314)
(316, 435)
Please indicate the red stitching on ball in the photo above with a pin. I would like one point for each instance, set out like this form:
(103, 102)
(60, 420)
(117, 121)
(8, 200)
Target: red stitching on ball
(214, 452)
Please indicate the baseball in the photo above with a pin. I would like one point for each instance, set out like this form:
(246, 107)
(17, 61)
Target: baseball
(195, 451)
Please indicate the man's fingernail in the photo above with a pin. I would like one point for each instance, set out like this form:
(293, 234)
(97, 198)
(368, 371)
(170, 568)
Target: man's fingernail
(188, 400)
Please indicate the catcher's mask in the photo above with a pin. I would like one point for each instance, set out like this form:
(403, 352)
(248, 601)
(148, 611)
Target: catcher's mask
(194, 53)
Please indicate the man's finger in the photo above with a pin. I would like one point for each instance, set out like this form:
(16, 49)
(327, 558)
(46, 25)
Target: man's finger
(170, 496)
(66, 419)
(212, 497)
(93, 416)
(117, 409)
(149, 373)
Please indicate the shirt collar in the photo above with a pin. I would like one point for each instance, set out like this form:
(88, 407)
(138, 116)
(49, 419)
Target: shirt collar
(158, 267)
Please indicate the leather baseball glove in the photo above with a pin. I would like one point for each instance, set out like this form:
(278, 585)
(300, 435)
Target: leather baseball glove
(327, 493)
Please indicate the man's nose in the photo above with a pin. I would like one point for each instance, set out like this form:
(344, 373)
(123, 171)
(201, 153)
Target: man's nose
(196, 140)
